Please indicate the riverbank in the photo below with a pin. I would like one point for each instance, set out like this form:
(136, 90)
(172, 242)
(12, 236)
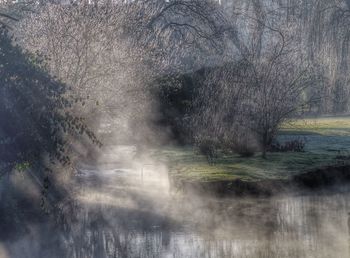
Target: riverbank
(324, 160)
(318, 179)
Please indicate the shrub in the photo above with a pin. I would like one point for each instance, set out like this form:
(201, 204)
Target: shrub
(297, 145)
(242, 144)
(207, 147)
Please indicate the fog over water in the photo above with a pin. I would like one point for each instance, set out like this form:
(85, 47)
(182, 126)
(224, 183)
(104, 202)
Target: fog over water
(226, 82)
(124, 209)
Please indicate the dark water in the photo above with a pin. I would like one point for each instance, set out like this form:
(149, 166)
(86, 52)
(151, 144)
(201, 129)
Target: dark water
(117, 214)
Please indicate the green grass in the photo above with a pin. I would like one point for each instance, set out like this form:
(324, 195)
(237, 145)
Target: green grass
(326, 138)
(335, 126)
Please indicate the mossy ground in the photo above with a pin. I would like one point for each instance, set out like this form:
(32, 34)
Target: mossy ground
(327, 139)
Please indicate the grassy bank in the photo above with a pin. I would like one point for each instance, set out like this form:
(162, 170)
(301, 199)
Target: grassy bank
(327, 144)
(328, 126)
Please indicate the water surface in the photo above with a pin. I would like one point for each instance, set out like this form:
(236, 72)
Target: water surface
(121, 212)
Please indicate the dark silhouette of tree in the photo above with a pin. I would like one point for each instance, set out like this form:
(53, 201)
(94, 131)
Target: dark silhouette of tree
(35, 116)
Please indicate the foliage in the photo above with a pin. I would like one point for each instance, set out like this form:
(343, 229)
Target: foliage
(22, 166)
(175, 95)
(35, 114)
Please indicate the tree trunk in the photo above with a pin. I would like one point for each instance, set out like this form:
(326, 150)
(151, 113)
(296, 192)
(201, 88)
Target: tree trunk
(264, 146)
(263, 155)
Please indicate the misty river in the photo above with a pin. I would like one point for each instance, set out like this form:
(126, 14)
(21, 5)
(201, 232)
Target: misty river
(122, 212)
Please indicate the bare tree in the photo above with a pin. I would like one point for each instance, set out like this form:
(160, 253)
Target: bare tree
(110, 52)
(245, 102)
